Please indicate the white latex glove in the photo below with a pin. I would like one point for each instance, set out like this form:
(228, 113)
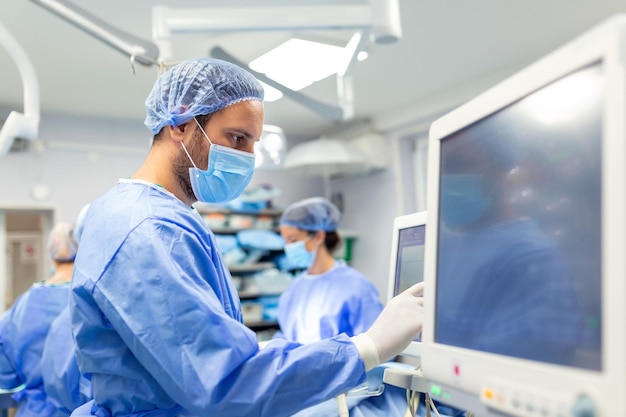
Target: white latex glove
(397, 325)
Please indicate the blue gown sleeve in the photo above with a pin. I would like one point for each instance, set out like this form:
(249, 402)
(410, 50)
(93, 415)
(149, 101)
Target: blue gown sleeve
(8, 375)
(65, 387)
(170, 306)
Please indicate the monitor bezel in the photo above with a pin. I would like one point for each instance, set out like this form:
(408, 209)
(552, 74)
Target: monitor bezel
(471, 371)
(399, 223)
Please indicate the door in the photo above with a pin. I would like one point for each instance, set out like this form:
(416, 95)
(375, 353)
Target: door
(23, 233)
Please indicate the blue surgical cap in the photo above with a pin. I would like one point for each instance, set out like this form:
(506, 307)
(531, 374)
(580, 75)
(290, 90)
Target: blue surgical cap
(61, 244)
(312, 214)
(195, 87)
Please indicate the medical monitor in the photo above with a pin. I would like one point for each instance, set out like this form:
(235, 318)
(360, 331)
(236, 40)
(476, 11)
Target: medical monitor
(525, 266)
(407, 260)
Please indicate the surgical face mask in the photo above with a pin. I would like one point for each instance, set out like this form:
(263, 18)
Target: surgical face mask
(298, 256)
(228, 173)
(463, 200)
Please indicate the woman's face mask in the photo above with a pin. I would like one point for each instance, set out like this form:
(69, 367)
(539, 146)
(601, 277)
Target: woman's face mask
(298, 255)
(228, 173)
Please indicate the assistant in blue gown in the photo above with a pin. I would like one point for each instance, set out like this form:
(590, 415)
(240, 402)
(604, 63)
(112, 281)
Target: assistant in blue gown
(319, 306)
(23, 328)
(329, 298)
(65, 387)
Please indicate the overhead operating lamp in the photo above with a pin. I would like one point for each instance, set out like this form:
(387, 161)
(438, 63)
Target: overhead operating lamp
(327, 158)
(20, 125)
(376, 20)
(271, 149)
(333, 113)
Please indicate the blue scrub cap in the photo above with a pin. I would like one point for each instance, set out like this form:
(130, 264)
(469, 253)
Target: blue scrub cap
(195, 87)
(312, 214)
(61, 244)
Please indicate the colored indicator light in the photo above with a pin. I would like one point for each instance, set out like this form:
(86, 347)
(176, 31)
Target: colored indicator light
(593, 322)
(447, 395)
(488, 394)
(435, 390)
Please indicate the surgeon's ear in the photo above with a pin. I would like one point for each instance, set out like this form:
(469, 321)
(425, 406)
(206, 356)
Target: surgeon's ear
(179, 133)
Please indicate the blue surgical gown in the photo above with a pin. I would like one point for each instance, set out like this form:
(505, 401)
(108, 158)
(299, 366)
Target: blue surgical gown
(23, 330)
(158, 324)
(316, 307)
(65, 387)
(320, 306)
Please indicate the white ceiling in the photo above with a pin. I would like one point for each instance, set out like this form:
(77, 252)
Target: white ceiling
(446, 45)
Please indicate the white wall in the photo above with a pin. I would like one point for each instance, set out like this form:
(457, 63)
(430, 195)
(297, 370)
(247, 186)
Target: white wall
(79, 173)
(369, 210)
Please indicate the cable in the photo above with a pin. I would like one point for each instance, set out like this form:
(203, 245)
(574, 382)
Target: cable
(427, 401)
(342, 405)
(413, 401)
(432, 405)
(413, 398)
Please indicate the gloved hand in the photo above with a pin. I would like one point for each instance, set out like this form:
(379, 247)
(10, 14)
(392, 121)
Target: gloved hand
(399, 323)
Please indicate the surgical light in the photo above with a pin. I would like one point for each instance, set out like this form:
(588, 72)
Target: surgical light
(271, 149)
(271, 94)
(298, 63)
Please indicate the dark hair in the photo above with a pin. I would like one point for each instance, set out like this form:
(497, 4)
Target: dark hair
(332, 241)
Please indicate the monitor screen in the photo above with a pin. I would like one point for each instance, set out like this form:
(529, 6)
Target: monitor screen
(410, 258)
(407, 261)
(518, 264)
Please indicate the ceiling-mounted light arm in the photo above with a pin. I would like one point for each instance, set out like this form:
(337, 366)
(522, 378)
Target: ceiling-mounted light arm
(142, 51)
(381, 18)
(378, 19)
(386, 26)
(345, 92)
(23, 125)
(357, 43)
(345, 96)
(332, 113)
